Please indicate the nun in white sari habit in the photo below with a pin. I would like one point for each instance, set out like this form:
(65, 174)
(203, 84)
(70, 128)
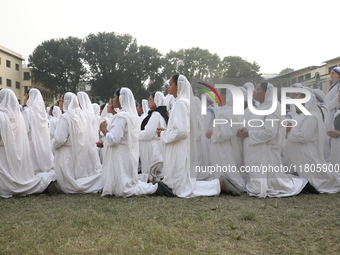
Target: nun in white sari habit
(225, 148)
(121, 151)
(151, 155)
(16, 173)
(76, 162)
(304, 147)
(176, 138)
(37, 126)
(262, 147)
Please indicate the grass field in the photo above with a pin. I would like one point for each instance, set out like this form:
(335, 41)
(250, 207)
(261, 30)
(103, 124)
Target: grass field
(90, 224)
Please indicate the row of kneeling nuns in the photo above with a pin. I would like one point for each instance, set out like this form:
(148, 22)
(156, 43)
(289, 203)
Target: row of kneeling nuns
(164, 145)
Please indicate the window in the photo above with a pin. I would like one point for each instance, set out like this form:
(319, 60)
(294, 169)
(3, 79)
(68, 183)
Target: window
(8, 83)
(17, 67)
(293, 80)
(25, 89)
(308, 76)
(17, 85)
(8, 63)
(0, 80)
(330, 68)
(284, 84)
(82, 88)
(300, 78)
(27, 76)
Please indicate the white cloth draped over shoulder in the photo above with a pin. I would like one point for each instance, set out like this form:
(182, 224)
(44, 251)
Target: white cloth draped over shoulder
(16, 172)
(37, 126)
(145, 107)
(54, 120)
(262, 149)
(176, 137)
(151, 148)
(121, 151)
(332, 103)
(76, 165)
(335, 147)
(225, 148)
(91, 119)
(304, 147)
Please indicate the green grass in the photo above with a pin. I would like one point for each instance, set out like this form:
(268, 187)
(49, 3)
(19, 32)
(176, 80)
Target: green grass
(90, 224)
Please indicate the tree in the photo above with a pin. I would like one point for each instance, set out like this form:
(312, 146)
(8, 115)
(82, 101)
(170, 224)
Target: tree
(194, 63)
(286, 70)
(116, 60)
(238, 71)
(58, 65)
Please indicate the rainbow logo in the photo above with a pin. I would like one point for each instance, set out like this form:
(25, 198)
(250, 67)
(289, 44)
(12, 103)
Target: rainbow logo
(209, 92)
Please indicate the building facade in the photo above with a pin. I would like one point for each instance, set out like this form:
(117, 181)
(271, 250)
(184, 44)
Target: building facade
(11, 72)
(18, 78)
(311, 76)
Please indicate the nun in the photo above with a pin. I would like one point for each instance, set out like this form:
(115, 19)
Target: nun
(225, 147)
(332, 96)
(38, 132)
(304, 147)
(17, 176)
(76, 165)
(121, 151)
(151, 155)
(320, 98)
(178, 174)
(262, 146)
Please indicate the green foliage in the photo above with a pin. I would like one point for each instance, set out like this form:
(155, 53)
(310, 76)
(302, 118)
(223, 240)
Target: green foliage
(117, 61)
(58, 65)
(238, 71)
(110, 61)
(286, 70)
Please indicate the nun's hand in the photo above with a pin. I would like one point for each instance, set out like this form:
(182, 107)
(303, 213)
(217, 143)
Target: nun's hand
(103, 126)
(159, 130)
(333, 133)
(100, 144)
(240, 131)
(208, 134)
(289, 127)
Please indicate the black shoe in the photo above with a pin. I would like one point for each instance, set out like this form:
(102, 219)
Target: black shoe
(310, 189)
(52, 189)
(163, 190)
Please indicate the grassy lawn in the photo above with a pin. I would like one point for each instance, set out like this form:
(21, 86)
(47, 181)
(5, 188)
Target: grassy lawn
(90, 224)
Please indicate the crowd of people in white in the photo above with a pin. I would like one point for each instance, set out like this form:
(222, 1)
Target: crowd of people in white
(155, 147)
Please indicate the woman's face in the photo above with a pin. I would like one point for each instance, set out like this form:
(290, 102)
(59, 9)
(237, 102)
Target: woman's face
(115, 102)
(259, 94)
(151, 102)
(173, 88)
(334, 76)
(110, 108)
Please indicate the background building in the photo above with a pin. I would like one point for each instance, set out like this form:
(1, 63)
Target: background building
(17, 77)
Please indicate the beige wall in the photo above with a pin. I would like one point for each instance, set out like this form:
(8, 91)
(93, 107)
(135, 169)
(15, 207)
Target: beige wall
(11, 73)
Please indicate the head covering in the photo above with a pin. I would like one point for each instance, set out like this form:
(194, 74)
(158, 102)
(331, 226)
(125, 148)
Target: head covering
(159, 99)
(319, 95)
(248, 85)
(297, 85)
(337, 70)
(96, 109)
(14, 136)
(183, 87)
(160, 102)
(312, 107)
(145, 106)
(167, 83)
(85, 103)
(129, 112)
(36, 103)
